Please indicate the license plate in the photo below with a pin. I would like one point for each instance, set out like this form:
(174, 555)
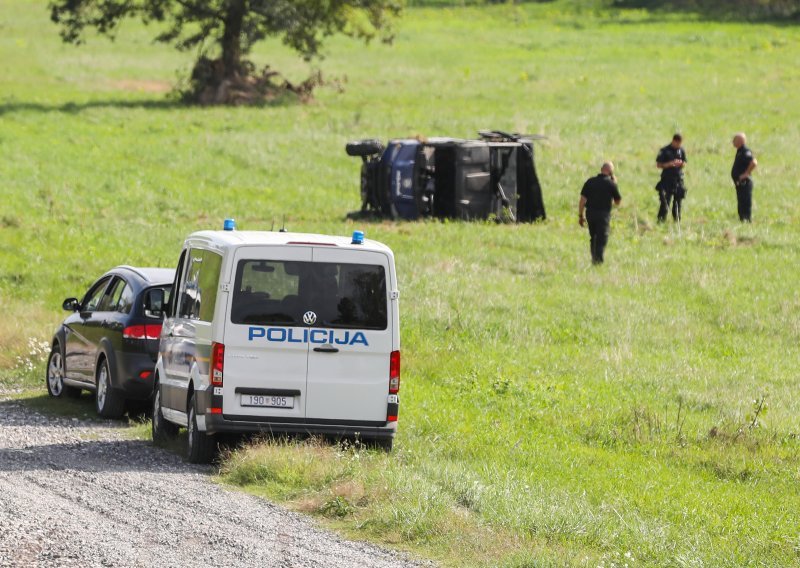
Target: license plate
(267, 401)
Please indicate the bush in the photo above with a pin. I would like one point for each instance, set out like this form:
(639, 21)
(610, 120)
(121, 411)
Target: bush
(744, 9)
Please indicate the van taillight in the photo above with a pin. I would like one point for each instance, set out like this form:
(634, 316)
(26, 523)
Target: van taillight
(149, 331)
(217, 363)
(394, 372)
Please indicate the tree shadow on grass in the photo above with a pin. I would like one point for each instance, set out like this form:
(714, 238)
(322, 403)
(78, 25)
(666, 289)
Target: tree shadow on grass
(10, 107)
(165, 104)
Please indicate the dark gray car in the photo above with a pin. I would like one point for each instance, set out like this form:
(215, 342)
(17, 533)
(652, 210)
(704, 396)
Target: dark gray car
(109, 343)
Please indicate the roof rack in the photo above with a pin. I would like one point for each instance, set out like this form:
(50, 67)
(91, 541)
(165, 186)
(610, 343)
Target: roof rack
(136, 271)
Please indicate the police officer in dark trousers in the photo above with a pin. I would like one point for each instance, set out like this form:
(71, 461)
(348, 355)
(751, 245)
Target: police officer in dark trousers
(743, 166)
(597, 195)
(670, 160)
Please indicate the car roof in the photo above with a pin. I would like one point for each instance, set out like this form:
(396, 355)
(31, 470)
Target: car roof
(148, 276)
(233, 239)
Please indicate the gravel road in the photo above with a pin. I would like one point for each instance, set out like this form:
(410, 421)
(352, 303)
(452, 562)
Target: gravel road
(76, 493)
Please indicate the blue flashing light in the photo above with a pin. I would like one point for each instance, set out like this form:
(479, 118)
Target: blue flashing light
(358, 237)
(229, 225)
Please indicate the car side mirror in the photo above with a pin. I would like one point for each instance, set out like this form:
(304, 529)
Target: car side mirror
(154, 303)
(71, 305)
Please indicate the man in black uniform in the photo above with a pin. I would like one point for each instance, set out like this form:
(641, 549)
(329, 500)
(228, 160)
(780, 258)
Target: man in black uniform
(670, 160)
(596, 197)
(743, 166)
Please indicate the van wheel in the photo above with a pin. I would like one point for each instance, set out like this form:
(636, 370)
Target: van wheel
(200, 446)
(109, 403)
(385, 445)
(163, 430)
(54, 376)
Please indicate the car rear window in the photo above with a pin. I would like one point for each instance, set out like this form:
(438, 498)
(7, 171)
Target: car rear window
(276, 292)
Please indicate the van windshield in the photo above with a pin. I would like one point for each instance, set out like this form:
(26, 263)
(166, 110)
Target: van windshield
(278, 292)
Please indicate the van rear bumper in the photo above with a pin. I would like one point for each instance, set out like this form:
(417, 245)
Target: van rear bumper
(227, 423)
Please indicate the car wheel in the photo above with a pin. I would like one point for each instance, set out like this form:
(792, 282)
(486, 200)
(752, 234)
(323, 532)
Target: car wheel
(109, 403)
(200, 446)
(385, 445)
(163, 429)
(55, 376)
(363, 148)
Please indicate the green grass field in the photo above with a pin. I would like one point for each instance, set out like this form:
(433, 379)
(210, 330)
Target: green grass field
(552, 413)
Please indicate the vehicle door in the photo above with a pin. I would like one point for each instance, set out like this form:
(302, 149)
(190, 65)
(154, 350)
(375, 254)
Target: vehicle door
(351, 339)
(266, 348)
(79, 350)
(168, 343)
(189, 334)
(107, 322)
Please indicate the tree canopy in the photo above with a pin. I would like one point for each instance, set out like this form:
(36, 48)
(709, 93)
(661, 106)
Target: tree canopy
(226, 30)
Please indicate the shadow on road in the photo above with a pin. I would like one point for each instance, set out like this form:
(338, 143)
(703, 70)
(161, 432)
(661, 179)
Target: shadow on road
(94, 456)
(81, 408)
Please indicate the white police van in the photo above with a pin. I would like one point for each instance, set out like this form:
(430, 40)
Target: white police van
(279, 332)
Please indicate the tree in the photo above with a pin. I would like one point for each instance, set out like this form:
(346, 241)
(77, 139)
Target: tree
(225, 31)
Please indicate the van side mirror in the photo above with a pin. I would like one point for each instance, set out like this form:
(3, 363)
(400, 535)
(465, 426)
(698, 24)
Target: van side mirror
(154, 303)
(71, 305)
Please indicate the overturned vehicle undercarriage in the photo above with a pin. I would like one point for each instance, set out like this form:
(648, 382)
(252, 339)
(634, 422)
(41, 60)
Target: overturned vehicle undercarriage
(493, 177)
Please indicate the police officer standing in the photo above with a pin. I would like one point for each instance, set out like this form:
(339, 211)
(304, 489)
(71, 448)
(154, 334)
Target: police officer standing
(597, 195)
(743, 166)
(670, 160)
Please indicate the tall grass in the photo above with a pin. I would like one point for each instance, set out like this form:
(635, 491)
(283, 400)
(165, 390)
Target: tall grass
(552, 413)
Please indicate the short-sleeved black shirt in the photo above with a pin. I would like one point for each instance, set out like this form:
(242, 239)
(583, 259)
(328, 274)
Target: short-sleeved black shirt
(743, 158)
(667, 154)
(599, 192)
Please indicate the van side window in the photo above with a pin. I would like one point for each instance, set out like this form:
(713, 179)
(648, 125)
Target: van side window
(208, 285)
(190, 297)
(177, 286)
(271, 292)
(199, 297)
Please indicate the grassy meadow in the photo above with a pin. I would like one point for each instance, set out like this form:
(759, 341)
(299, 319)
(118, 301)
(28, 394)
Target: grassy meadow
(643, 413)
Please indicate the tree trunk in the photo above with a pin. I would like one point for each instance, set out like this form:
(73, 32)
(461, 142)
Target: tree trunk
(232, 38)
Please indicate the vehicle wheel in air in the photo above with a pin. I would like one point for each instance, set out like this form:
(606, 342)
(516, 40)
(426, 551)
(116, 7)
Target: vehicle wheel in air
(163, 429)
(55, 374)
(200, 447)
(363, 148)
(108, 402)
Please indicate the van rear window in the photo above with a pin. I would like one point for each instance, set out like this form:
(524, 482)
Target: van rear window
(276, 292)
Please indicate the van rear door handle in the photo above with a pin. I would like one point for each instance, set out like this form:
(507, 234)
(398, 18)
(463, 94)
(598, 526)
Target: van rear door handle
(326, 349)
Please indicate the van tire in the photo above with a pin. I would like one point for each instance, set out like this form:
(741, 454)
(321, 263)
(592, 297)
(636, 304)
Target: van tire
(385, 445)
(163, 430)
(200, 447)
(108, 401)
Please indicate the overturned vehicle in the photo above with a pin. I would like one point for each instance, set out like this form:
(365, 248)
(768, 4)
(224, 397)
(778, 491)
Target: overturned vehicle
(493, 177)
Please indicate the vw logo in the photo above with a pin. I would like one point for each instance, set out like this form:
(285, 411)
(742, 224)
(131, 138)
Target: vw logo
(309, 318)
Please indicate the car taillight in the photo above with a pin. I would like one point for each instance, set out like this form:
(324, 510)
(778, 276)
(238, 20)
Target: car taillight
(394, 372)
(149, 331)
(217, 363)
(134, 332)
(152, 331)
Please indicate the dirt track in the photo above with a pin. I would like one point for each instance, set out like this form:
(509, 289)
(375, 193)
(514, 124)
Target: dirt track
(76, 493)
